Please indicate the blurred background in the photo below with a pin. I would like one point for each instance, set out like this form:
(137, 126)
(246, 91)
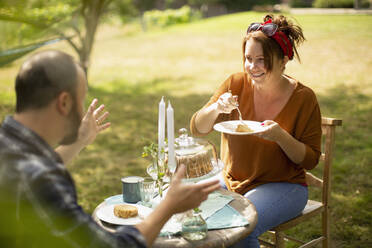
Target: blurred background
(135, 51)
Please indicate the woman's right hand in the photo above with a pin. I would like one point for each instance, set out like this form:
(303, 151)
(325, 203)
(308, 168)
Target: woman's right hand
(206, 117)
(226, 103)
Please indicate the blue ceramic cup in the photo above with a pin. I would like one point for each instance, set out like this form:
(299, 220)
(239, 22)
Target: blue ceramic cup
(132, 189)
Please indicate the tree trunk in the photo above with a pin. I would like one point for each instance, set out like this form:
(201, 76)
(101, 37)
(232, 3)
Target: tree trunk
(356, 4)
(143, 21)
(92, 12)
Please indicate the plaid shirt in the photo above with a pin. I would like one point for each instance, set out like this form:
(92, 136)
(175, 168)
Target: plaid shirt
(38, 202)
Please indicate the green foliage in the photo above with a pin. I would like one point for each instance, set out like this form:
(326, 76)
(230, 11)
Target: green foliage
(169, 17)
(240, 5)
(73, 20)
(150, 150)
(159, 167)
(339, 3)
(26, 24)
(130, 9)
(41, 17)
(172, 4)
(126, 9)
(299, 4)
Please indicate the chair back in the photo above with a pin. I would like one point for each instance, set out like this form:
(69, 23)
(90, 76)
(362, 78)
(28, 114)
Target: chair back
(313, 207)
(328, 132)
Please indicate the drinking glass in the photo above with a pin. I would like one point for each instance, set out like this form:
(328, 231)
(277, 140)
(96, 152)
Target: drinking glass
(147, 191)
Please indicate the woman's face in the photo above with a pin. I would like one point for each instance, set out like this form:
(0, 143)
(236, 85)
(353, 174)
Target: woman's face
(255, 64)
(254, 61)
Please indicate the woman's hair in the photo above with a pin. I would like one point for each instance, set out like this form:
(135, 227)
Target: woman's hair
(270, 47)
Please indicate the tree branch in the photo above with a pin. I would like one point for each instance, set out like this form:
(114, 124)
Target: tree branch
(69, 40)
(24, 20)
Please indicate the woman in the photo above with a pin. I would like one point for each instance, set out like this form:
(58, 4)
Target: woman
(268, 168)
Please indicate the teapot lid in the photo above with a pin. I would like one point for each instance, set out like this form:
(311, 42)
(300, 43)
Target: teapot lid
(186, 144)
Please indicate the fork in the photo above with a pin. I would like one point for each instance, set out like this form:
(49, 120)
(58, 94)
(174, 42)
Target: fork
(236, 104)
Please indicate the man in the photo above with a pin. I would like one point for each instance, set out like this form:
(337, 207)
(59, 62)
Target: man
(38, 199)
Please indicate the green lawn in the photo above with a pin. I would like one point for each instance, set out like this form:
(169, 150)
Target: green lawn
(131, 70)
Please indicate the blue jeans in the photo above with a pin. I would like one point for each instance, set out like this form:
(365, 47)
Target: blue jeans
(275, 203)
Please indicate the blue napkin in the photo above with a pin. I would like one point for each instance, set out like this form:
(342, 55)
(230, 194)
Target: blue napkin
(215, 202)
(226, 217)
(116, 199)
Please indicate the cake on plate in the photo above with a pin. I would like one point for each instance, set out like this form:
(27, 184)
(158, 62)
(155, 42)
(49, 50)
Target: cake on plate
(197, 164)
(125, 211)
(243, 128)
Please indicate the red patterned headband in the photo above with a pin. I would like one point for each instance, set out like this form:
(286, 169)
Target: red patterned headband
(271, 30)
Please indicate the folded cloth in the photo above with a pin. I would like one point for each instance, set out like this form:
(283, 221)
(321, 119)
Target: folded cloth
(215, 202)
(226, 217)
(116, 199)
(215, 210)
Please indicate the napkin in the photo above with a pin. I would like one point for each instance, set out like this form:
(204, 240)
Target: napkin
(116, 199)
(226, 217)
(215, 202)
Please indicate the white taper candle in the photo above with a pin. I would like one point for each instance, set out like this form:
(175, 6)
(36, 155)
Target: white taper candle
(170, 129)
(161, 126)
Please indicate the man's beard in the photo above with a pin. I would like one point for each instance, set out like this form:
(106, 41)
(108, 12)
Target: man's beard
(75, 121)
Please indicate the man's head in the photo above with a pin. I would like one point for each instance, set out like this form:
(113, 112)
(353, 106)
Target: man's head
(52, 79)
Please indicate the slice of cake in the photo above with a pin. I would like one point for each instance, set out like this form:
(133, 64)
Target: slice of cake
(242, 128)
(125, 211)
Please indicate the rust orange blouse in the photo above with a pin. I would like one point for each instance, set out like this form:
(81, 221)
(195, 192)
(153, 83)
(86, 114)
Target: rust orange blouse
(251, 161)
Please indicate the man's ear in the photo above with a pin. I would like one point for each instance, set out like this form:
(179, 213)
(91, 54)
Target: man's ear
(64, 103)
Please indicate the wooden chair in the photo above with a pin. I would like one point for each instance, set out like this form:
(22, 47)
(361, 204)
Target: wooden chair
(313, 208)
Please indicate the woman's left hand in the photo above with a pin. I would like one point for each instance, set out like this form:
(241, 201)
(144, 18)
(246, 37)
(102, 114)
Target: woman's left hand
(92, 123)
(272, 132)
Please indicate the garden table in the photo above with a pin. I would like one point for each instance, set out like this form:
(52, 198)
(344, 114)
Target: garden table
(215, 238)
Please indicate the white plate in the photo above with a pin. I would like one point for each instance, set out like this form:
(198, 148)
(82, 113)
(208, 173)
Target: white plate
(106, 213)
(229, 127)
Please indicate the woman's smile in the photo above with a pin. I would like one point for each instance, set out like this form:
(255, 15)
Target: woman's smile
(256, 75)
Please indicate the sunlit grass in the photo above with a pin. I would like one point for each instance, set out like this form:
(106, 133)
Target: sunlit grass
(131, 70)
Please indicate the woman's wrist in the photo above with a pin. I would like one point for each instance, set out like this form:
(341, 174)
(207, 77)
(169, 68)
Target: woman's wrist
(294, 149)
(214, 108)
(280, 136)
